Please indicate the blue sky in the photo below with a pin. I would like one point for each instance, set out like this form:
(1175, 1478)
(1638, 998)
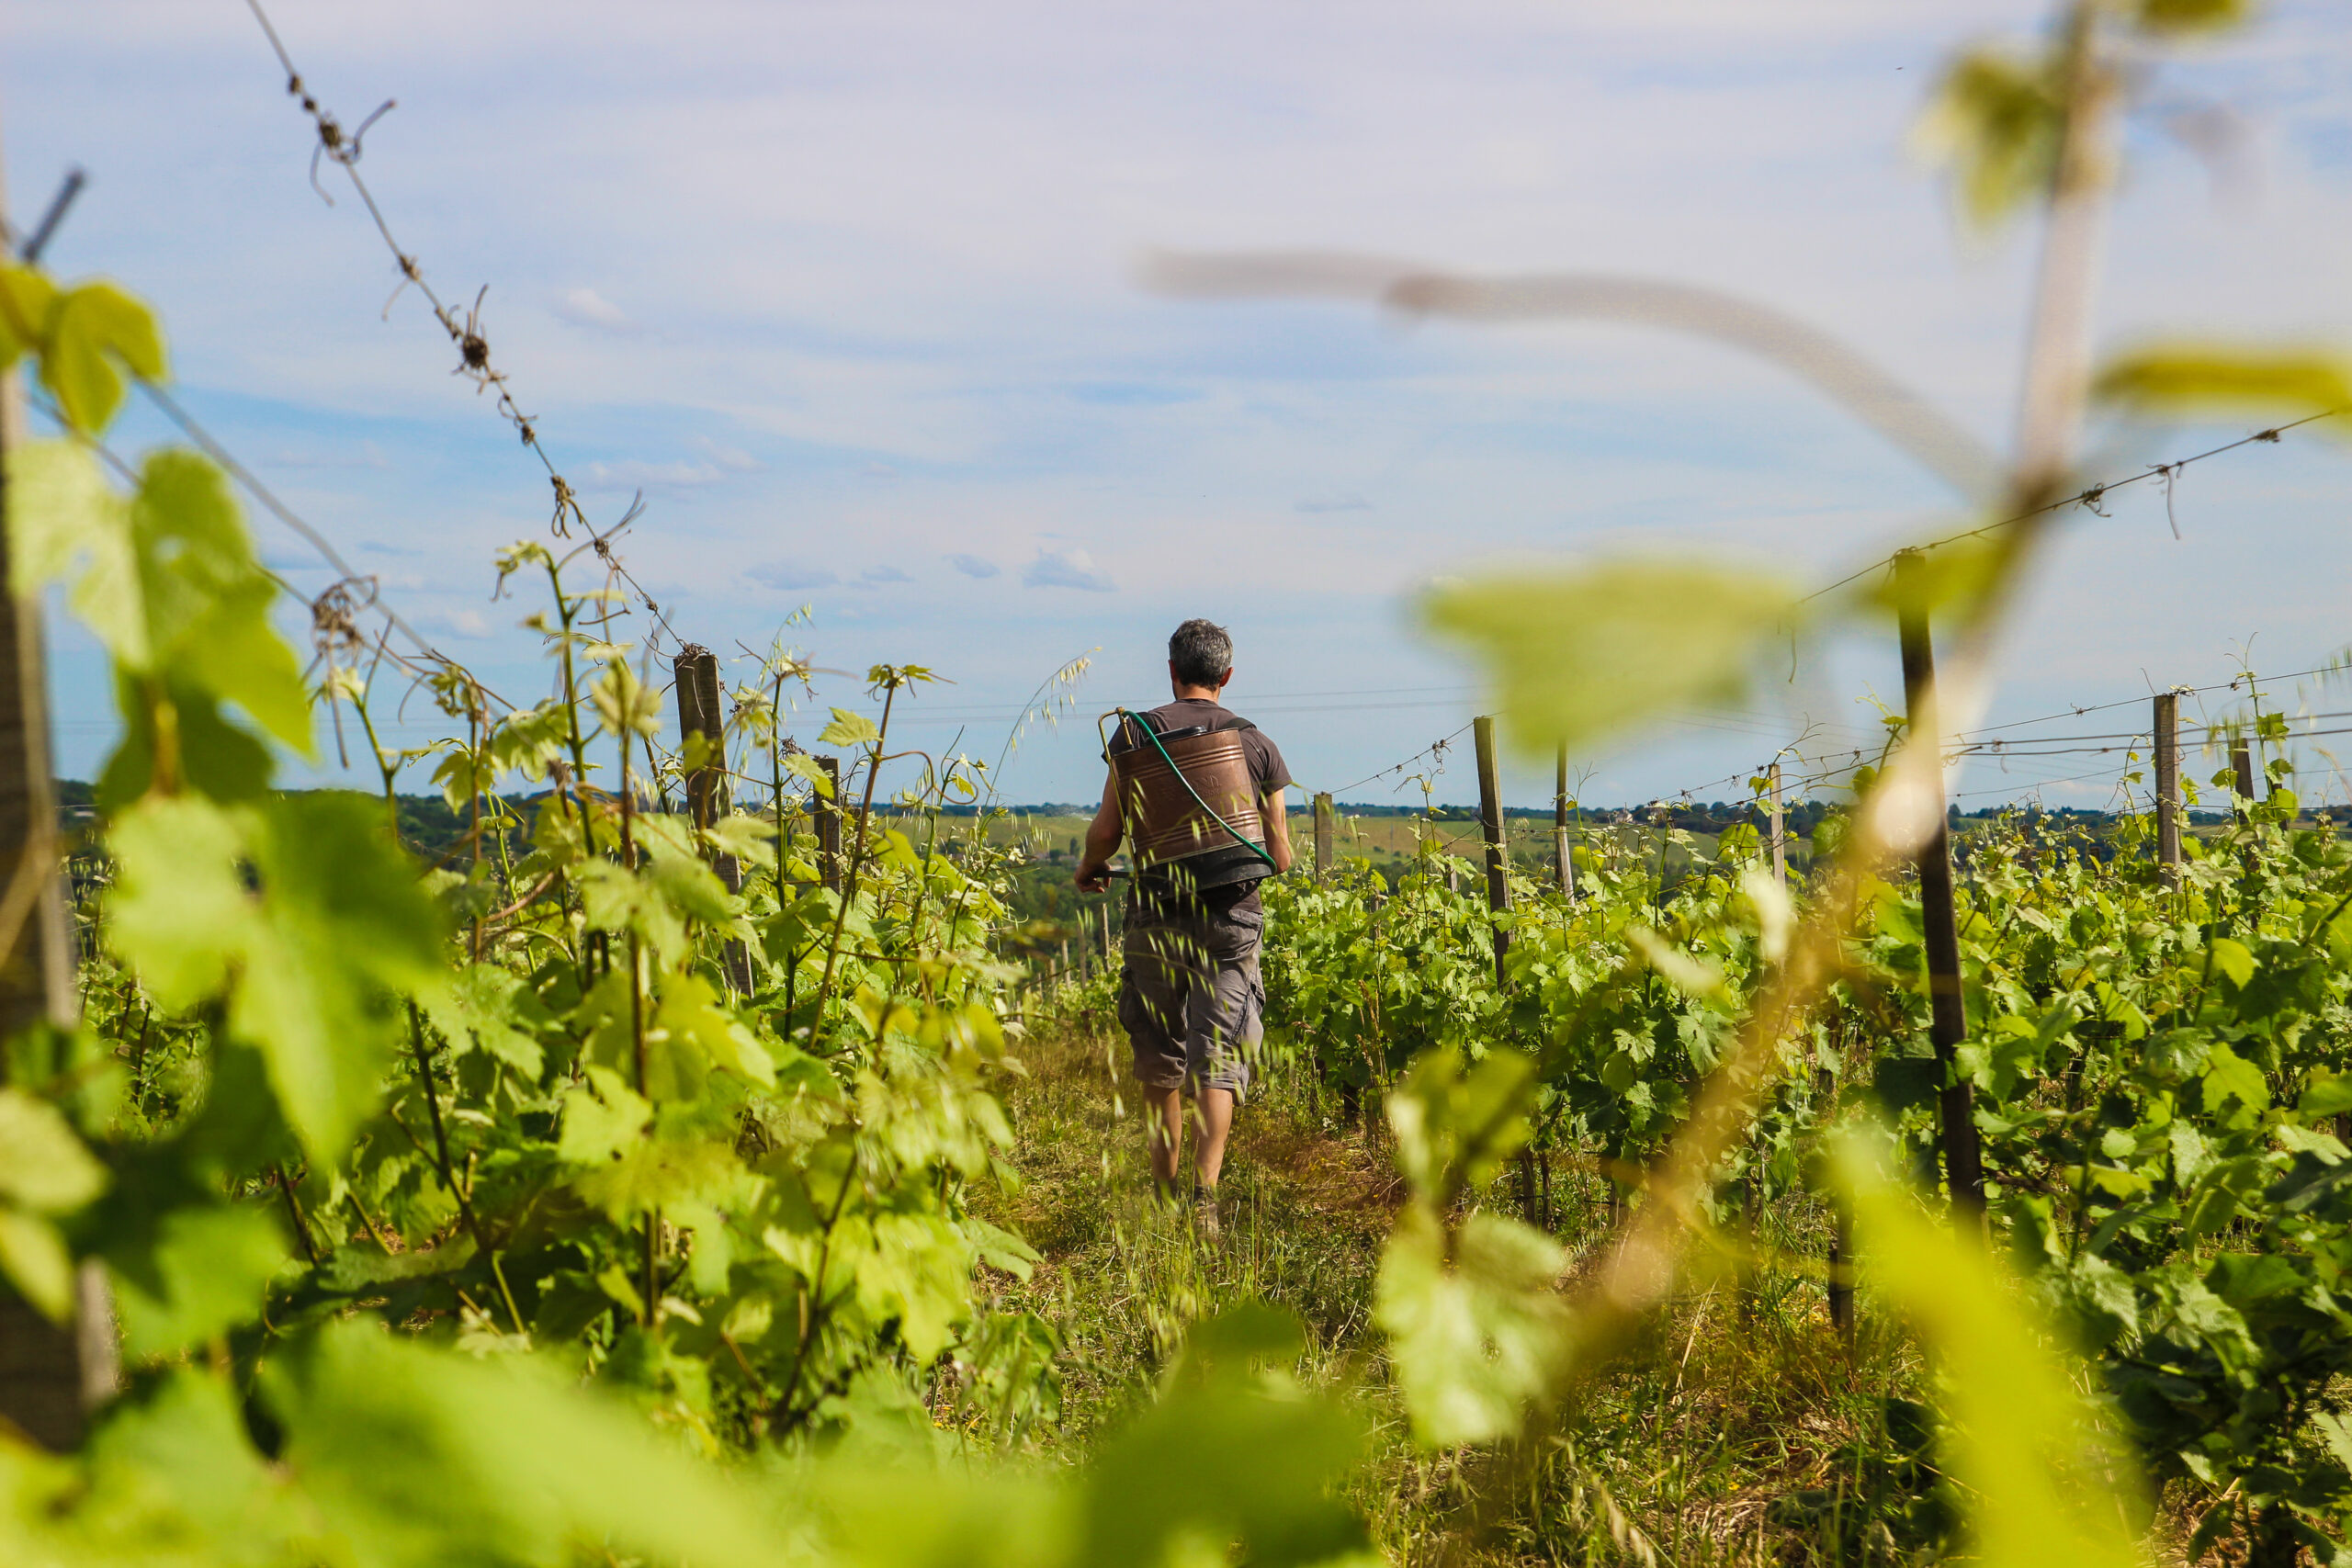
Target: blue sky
(850, 291)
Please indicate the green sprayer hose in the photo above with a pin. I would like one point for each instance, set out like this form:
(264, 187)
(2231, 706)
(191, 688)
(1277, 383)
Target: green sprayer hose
(1153, 736)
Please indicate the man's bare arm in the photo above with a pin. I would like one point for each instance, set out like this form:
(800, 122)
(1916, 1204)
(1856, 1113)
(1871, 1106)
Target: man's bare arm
(1276, 817)
(1103, 836)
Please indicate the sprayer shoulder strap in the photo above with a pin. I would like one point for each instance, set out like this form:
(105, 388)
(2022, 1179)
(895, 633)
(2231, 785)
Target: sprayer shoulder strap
(1144, 720)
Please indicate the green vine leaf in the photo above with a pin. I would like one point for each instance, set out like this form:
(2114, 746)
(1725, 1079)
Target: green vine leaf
(1575, 656)
(44, 1172)
(203, 1275)
(27, 301)
(849, 728)
(2206, 378)
(95, 332)
(1477, 1330)
(2041, 1479)
(626, 705)
(334, 920)
(805, 766)
(520, 1467)
(166, 578)
(1996, 119)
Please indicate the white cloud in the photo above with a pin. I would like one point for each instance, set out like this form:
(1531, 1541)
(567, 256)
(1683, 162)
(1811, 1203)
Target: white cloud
(884, 574)
(734, 459)
(792, 579)
(365, 455)
(1065, 569)
(631, 474)
(974, 565)
(468, 623)
(586, 307)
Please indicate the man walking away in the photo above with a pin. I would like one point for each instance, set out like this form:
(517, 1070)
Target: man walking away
(1199, 798)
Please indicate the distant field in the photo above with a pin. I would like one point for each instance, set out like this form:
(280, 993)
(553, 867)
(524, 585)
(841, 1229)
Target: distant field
(1390, 843)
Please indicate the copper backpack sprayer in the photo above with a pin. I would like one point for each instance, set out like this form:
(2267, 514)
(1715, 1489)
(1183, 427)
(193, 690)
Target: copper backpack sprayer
(1180, 833)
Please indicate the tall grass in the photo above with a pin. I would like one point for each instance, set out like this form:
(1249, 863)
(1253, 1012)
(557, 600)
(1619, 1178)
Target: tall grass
(1742, 1429)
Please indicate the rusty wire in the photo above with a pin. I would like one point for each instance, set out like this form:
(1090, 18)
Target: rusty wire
(466, 334)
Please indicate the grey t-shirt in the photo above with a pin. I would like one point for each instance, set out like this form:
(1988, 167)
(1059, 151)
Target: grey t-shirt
(1267, 769)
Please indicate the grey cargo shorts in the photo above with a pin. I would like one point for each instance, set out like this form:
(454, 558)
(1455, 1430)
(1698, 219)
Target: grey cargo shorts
(1191, 997)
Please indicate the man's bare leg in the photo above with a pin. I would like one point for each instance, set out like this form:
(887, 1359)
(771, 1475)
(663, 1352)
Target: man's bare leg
(1165, 1136)
(1214, 1122)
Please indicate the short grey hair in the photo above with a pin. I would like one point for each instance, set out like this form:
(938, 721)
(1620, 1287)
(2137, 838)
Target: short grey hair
(1201, 653)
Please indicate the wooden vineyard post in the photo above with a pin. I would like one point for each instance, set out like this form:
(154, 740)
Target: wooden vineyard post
(1947, 1026)
(1780, 831)
(50, 1374)
(1841, 1276)
(825, 805)
(1490, 822)
(1323, 834)
(2168, 787)
(1490, 825)
(696, 673)
(696, 677)
(2241, 768)
(1563, 865)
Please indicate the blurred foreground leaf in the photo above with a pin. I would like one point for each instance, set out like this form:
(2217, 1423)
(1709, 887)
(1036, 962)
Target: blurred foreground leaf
(417, 1458)
(2213, 379)
(1455, 1128)
(1997, 119)
(1575, 656)
(2191, 15)
(166, 578)
(2043, 1484)
(44, 1170)
(1477, 1328)
(1229, 1455)
(203, 1275)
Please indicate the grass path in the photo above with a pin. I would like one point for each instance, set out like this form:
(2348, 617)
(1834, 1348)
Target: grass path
(1740, 1431)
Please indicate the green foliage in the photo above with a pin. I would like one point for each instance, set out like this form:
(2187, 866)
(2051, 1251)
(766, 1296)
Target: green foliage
(2157, 1073)
(1477, 1328)
(2212, 379)
(2191, 15)
(1231, 1453)
(44, 1172)
(577, 1106)
(167, 580)
(303, 916)
(1477, 1331)
(517, 1466)
(1998, 118)
(2045, 1477)
(88, 338)
(483, 1212)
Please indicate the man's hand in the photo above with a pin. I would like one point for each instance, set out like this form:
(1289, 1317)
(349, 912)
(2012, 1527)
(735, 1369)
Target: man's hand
(1276, 815)
(1102, 836)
